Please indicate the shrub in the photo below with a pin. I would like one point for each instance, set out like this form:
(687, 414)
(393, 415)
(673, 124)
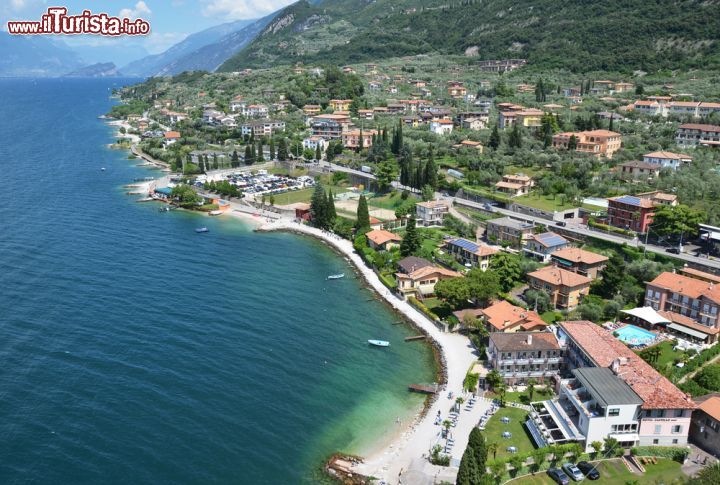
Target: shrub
(675, 453)
(421, 306)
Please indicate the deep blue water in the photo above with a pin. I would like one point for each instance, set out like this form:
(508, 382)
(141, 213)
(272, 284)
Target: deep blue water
(134, 350)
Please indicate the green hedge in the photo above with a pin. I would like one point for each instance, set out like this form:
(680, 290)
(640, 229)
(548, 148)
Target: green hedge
(675, 453)
(421, 306)
(388, 280)
(697, 362)
(605, 227)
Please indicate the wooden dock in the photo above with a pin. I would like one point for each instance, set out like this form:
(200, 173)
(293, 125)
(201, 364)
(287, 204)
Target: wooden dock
(422, 388)
(415, 337)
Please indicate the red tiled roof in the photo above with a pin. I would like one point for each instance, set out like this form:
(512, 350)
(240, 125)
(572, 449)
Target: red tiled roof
(686, 286)
(504, 315)
(656, 391)
(577, 255)
(712, 407)
(688, 322)
(381, 236)
(559, 276)
(698, 126)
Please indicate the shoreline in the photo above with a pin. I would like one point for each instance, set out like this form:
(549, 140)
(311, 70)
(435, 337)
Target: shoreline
(405, 450)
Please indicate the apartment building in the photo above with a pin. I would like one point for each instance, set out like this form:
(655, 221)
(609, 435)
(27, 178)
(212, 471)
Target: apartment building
(667, 159)
(596, 142)
(542, 246)
(665, 412)
(352, 138)
(503, 316)
(639, 170)
(527, 117)
(579, 261)
(524, 355)
(432, 212)
(564, 287)
(469, 253)
(262, 127)
(515, 185)
(694, 298)
(630, 212)
(694, 134)
(507, 229)
(330, 126)
(705, 424)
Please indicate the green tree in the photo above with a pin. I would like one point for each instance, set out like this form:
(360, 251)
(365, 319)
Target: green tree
(484, 285)
(331, 212)
(430, 172)
(468, 472)
(572, 143)
(384, 175)
(185, 196)
(507, 267)
(709, 377)
(476, 442)
(539, 457)
(411, 242)
(319, 208)
(613, 277)
(318, 152)
(596, 446)
(515, 138)
(363, 216)
(428, 193)
(493, 448)
(495, 140)
(494, 379)
(248, 155)
(455, 292)
(282, 154)
(679, 220)
(710, 475)
(272, 149)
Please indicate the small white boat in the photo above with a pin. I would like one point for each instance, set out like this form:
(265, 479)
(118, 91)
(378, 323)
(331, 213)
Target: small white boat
(215, 213)
(102, 169)
(336, 276)
(379, 343)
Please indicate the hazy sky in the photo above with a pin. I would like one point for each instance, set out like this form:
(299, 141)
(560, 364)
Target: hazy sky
(170, 20)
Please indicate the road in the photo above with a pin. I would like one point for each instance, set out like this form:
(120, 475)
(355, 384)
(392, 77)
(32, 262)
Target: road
(582, 230)
(339, 168)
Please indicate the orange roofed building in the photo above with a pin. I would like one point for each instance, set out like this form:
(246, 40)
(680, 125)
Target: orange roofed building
(381, 239)
(506, 317)
(564, 287)
(421, 282)
(596, 142)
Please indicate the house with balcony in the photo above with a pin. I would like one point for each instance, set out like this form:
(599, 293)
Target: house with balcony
(695, 299)
(579, 261)
(441, 127)
(600, 143)
(471, 254)
(330, 126)
(664, 415)
(520, 356)
(638, 170)
(592, 405)
(564, 287)
(515, 185)
(666, 159)
(262, 127)
(526, 117)
(431, 213)
(340, 104)
(357, 139)
(542, 246)
(503, 316)
(694, 134)
(630, 213)
(421, 282)
(509, 230)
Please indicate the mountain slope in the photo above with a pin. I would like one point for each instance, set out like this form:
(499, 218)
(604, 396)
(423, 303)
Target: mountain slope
(153, 64)
(35, 56)
(101, 69)
(574, 34)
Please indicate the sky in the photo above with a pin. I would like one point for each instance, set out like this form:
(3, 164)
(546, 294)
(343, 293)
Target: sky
(170, 20)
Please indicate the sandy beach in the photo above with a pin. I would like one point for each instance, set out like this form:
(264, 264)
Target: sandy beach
(404, 459)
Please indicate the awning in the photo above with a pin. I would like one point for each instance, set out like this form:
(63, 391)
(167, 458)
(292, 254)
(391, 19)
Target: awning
(689, 331)
(647, 314)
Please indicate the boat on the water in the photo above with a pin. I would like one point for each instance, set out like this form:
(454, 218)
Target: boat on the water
(379, 343)
(215, 213)
(202, 229)
(336, 276)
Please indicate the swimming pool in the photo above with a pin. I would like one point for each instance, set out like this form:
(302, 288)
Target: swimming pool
(632, 335)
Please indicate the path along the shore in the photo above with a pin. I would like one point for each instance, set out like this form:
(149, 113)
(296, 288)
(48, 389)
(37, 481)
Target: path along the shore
(403, 458)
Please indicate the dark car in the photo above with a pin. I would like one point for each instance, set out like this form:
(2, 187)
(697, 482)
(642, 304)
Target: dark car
(673, 250)
(559, 476)
(561, 223)
(589, 470)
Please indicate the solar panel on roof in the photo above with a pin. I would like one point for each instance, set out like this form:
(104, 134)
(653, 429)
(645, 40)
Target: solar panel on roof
(465, 244)
(629, 199)
(551, 239)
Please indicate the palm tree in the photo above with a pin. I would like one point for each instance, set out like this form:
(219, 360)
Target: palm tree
(458, 402)
(493, 448)
(498, 469)
(531, 388)
(538, 459)
(446, 424)
(501, 390)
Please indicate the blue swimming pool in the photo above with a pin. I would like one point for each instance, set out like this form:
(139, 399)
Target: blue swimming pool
(632, 335)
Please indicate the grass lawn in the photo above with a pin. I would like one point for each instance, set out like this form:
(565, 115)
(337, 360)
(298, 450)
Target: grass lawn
(614, 472)
(667, 355)
(390, 201)
(303, 195)
(544, 203)
(540, 394)
(438, 307)
(520, 437)
(551, 316)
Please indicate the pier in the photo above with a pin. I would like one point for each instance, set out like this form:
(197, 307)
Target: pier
(423, 388)
(414, 337)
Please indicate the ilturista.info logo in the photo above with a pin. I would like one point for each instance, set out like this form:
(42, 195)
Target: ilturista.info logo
(57, 21)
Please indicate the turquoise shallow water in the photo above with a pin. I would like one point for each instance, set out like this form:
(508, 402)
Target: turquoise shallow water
(134, 350)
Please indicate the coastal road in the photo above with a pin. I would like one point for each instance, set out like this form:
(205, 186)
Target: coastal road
(582, 230)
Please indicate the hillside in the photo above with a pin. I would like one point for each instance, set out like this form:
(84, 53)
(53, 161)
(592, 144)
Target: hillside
(101, 69)
(578, 35)
(35, 56)
(192, 51)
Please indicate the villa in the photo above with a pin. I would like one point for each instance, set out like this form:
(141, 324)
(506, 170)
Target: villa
(541, 246)
(565, 288)
(432, 212)
(421, 282)
(503, 316)
(579, 261)
(507, 229)
(667, 159)
(596, 142)
(469, 253)
(441, 127)
(690, 297)
(380, 239)
(515, 185)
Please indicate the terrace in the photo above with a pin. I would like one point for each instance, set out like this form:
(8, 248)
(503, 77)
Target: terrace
(551, 423)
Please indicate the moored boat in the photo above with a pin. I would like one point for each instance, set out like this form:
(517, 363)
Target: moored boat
(336, 276)
(379, 343)
(202, 229)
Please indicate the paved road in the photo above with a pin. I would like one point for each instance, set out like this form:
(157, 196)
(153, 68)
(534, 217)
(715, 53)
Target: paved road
(582, 230)
(339, 168)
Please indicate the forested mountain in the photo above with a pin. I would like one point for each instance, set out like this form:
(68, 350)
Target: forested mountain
(575, 34)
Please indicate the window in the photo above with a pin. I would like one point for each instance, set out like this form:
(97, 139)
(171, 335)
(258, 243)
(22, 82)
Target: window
(679, 413)
(658, 429)
(660, 413)
(677, 429)
(675, 441)
(614, 412)
(656, 442)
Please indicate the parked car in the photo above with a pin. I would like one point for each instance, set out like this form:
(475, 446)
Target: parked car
(589, 470)
(559, 476)
(573, 471)
(673, 250)
(561, 223)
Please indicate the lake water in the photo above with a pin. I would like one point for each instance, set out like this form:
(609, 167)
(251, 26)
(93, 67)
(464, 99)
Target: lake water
(135, 350)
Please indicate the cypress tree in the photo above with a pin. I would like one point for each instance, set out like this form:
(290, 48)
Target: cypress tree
(331, 213)
(318, 208)
(272, 149)
(282, 153)
(411, 242)
(248, 155)
(515, 138)
(430, 177)
(476, 442)
(494, 142)
(260, 157)
(318, 152)
(468, 471)
(360, 140)
(610, 125)
(363, 216)
(572, 142)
